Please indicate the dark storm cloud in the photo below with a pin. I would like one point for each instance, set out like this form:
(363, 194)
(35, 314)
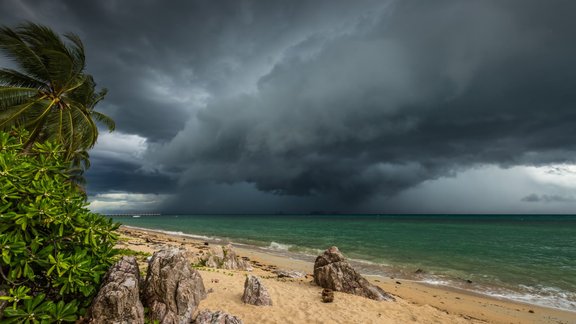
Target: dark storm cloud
(161, 58)
(109, 174)
(156, 56)
(428, 89)
(305, 104)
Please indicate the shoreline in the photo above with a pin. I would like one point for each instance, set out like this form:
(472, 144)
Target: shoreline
(438, 299)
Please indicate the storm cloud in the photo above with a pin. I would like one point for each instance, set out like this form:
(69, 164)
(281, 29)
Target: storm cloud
(418, 92)
(321, 105)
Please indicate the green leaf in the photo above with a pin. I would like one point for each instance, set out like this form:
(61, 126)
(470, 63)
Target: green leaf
(49, 240)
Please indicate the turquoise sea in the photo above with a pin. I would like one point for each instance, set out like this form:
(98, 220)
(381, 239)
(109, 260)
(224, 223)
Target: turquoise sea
(529, 258)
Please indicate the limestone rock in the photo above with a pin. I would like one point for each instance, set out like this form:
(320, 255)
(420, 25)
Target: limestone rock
(233, 262)
(224, 257)
(173, 289)
(215, 256)
(118, 300)
(332, 271)
(255, 293)
(218, 317)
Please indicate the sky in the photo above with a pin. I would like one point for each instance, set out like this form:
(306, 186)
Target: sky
(365, 106)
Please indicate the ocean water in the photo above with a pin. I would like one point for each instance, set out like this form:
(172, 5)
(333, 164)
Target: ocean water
(529, 258)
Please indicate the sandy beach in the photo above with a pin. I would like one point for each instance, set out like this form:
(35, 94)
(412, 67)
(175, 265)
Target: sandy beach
(299, 300)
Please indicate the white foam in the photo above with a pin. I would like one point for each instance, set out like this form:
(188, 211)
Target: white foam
(548, 297)
(177, 233)
(437, 282)
(279, 246)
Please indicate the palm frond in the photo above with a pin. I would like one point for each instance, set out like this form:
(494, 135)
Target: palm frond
(14, 96)
(20, 115)
(77, 51)
(101, 118)
(85, 130)
(16, 49)
(13, 78)
(60, 68)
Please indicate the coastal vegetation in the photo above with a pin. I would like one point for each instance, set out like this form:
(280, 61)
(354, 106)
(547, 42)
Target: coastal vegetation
(54, 251)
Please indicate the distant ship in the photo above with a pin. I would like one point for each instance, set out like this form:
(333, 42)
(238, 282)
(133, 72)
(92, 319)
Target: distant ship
(136, 216)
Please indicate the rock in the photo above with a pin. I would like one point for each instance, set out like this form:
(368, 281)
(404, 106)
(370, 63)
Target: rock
(224, 257)
(214, 257)
(231, 261)
(332, 271)
(419, 271)
(289, 274)
(327, 295)
(255, 293)
(118, 300)
(218, 317)
(173, 289)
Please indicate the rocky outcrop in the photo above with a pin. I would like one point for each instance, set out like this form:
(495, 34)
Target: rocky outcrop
(332, 271)
(218, 317)
(255, 293)
(173, 289)
(118, 300)
(224, 257)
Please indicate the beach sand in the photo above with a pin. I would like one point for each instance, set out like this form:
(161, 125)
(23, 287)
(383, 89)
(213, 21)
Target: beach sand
(299, 300)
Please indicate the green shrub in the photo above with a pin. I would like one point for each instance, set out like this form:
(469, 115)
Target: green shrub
(54, 250)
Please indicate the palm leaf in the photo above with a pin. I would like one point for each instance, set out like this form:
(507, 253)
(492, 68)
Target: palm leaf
(23, 113)
(101, 118)
(61, 68)
(77, 51)
(27, 59)
(13, 78)
(14, 96)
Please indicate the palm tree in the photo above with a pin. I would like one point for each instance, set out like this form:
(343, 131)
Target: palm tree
(49, 94)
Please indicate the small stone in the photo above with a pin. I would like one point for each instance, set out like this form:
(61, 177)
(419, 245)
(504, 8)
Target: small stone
(327, 295)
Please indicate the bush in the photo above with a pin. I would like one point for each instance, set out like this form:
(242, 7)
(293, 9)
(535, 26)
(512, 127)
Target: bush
(54, 250)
